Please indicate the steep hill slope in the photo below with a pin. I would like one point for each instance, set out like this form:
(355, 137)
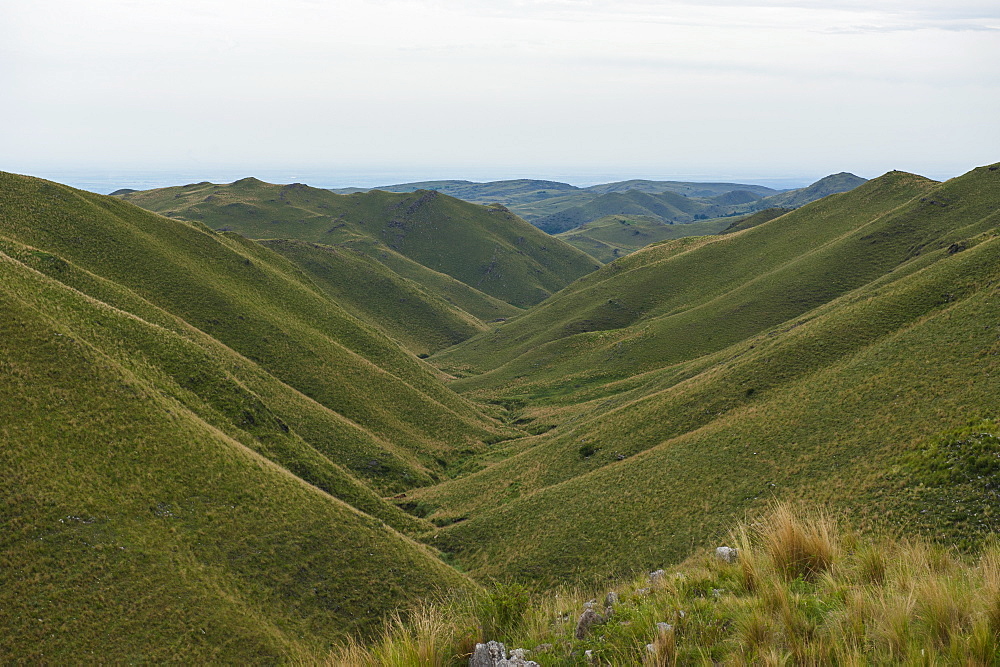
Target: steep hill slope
(414, 315)
(169, 498)
(485, 247)
(682, 408)
(694, 296)
(615, 236)
(754, 219)
(254, 302)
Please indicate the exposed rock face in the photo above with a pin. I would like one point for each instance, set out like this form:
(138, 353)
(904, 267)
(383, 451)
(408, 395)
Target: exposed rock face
(611, 599)
(727, 554)
(494, 654)
(656, 577)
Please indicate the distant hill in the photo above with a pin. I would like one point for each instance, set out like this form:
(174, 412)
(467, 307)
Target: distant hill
(833, 184)
(689, 189)
(671, 207)
(486, 247)
(558, 207)
(534, 200)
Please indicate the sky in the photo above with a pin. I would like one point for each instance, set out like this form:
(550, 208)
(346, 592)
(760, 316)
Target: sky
(577, 90)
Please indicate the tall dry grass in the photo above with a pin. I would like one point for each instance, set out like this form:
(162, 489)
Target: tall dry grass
(802, 592)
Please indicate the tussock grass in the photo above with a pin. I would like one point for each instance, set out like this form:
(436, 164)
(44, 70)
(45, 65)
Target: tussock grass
(804, 591)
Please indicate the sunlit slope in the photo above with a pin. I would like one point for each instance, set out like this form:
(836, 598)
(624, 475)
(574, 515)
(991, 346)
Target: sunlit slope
(138, 527)
(411, 314)
(257, 304)
(615, 236)
(754, 219)
(682, 299)
(486, 247)
(826, 406)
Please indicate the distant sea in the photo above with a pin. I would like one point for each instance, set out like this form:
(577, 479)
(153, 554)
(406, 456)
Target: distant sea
(105, 181)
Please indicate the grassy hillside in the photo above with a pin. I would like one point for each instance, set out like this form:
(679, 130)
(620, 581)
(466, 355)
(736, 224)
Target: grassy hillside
(415, 316)
(227, 450)
(693, 296)
(615, 236)
(666, 207)
(485, 247)
(150, 509)
(672, 410)
(804, 589)
(259, 305)
(754, 219)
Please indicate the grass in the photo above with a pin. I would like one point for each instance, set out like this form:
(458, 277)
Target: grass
(486, 247)
(801, 592)
(136, 529)
(825, 405)
(201, 434)
(615, 236)
(416, 317)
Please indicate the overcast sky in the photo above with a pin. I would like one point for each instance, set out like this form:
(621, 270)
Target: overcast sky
(480, 88)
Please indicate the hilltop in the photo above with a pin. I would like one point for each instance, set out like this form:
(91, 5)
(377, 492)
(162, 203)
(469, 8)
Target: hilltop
(486, 247)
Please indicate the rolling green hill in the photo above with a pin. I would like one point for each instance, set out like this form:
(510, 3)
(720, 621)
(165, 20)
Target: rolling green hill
(533, 199)
(692, 381)
(196, 441)
(485, 247)
(754, 219)
(226, 450)
(615, 236)
(419, 319)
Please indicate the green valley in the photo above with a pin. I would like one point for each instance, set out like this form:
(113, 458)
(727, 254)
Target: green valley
(274, 423)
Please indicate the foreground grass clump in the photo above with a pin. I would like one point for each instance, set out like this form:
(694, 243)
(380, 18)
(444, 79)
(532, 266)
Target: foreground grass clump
(802, 591)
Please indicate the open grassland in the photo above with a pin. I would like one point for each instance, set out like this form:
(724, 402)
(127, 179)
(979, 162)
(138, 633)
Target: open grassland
(803, 590)
(486, 247)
